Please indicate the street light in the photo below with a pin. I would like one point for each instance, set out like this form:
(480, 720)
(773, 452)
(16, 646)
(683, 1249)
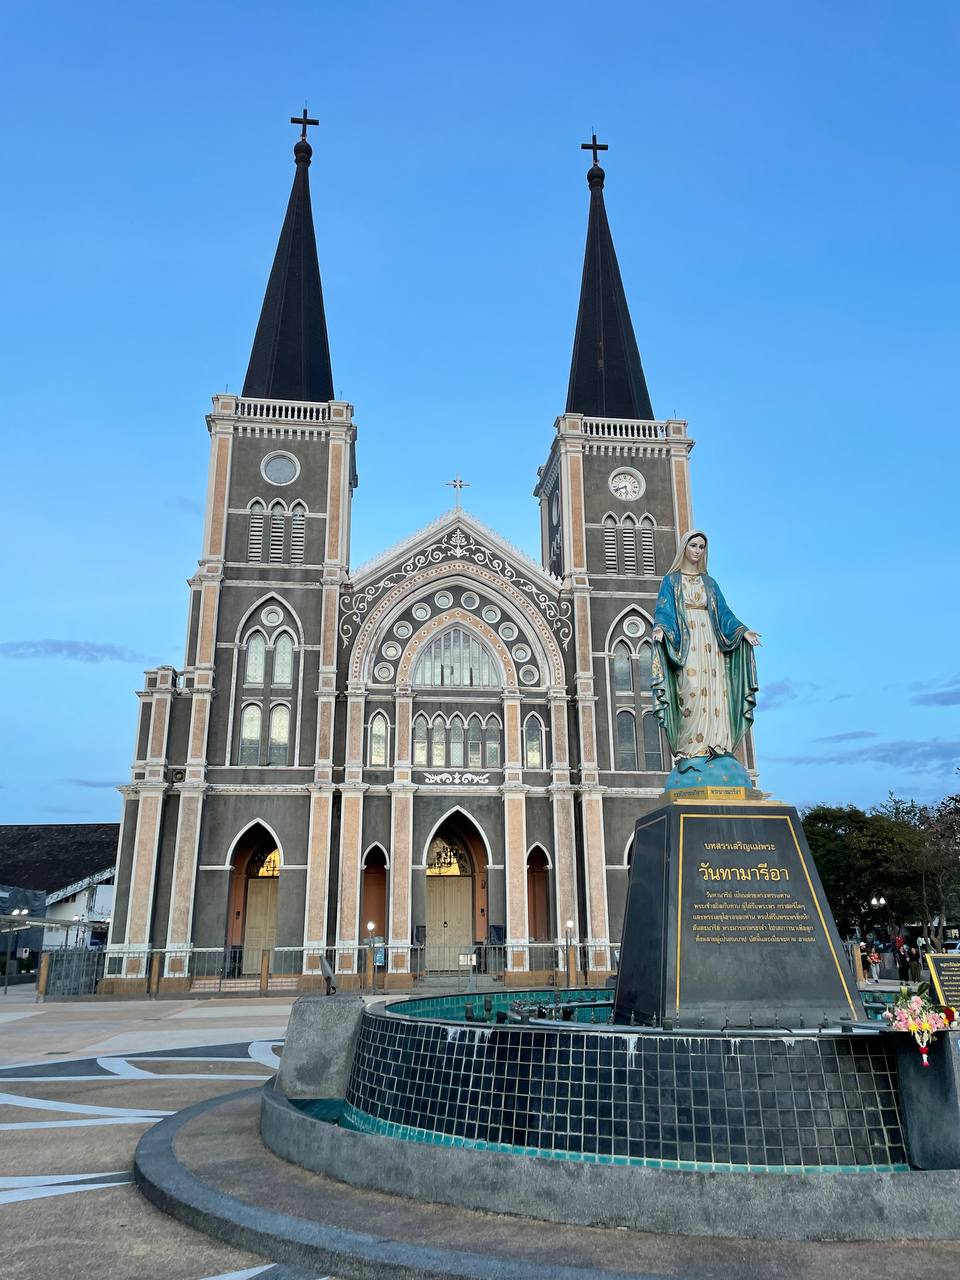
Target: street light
(370, 928)
(16, 911)
(571, 967)
(878, 902)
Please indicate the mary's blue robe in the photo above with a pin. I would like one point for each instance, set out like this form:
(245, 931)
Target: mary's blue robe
(670, 654)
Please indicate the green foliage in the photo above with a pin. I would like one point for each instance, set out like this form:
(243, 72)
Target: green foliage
(903, 851)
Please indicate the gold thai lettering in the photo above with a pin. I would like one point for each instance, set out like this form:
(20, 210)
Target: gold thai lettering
(762, 871)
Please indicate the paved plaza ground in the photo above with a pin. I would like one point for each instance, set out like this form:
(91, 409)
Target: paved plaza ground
(81, 1082)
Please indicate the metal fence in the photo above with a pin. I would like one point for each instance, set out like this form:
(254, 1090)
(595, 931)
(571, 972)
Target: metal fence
(376, 965)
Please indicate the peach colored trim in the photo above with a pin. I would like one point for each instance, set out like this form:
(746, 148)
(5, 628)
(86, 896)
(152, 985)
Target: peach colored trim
(218, 511)
(334, 490)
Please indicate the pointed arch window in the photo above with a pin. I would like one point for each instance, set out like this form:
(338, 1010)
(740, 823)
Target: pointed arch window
(648, 554)
(277, 530)
(610, 544)
(250, 721)
(457, 659)
(474, 743)
(438, 743)
(491, 743)
(377, 752)
(420, 741)
(645, 666)
(283, 660)
(298, 532)
(532, 743)
(279, 735)
(622, 669)
(652, 753)
(626, 741)
(255, 659)
(629, 535)
(255, 532)
(456, 742)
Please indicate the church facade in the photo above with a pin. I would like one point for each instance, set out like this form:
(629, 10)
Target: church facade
(442, 752)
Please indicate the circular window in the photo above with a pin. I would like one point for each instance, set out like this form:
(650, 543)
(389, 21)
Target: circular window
(529, 675)
(391, 650)
(491, 614)
(470, 600)
(508, 631)
(521, 653)
(403, 630)
(421, 612)
(280, 468)
(272, 616)
(443, 599)
(384, 671)
(633, 627)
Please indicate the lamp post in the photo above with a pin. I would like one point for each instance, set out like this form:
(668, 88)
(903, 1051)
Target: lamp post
(571, 965)
(11, 930)
(373, 977)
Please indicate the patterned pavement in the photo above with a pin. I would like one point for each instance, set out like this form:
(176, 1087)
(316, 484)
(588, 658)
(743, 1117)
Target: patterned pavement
(69, 1127)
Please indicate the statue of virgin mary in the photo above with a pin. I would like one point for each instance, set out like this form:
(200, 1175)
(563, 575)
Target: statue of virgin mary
(704, 677)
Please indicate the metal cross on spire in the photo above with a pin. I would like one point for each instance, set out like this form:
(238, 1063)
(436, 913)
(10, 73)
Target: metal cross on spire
(456, 484)
(594, 146)
(303, 121)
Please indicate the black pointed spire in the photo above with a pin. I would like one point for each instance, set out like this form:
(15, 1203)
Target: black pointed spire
(606, 376)
(290, 359)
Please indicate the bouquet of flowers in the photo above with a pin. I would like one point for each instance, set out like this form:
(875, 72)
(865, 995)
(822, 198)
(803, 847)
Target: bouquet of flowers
(916, 1014)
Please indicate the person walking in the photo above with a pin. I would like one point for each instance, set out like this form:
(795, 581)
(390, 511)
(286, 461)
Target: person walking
(873, 960)
(903, 960)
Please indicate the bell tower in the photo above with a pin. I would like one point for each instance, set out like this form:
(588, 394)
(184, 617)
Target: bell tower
(244, 734)
(614, 498)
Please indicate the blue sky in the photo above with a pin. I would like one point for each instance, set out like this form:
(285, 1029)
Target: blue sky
(783, 190)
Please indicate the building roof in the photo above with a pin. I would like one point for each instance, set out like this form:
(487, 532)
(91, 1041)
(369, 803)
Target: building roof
(606, 376)
(290, 359)
(50, 856)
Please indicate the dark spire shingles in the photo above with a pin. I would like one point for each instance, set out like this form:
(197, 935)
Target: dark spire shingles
(606, 376)
(290, 359)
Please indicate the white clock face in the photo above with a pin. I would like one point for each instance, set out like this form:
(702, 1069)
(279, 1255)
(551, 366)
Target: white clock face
(626, 485)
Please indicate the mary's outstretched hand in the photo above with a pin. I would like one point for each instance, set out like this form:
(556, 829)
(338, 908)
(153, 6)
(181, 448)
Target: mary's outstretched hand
(753, 637)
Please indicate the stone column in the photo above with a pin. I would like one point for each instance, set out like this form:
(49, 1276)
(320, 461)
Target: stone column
(515, 836)
(402, 792)
(564, 825)
(351, 832)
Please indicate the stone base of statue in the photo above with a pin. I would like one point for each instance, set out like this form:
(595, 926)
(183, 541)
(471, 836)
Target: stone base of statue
(726, 923)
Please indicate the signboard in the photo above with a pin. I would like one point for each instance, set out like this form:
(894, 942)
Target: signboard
(945, 977)
(727, 924)
(468, 960)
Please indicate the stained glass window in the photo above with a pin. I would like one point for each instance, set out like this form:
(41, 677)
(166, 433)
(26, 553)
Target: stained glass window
(378, 740)
(622, 674)
(283, 660)
(250, 736)
(532, 743)
(279, 735)
(256, 654)
(420, 742)
(457, 659)
(626, 740)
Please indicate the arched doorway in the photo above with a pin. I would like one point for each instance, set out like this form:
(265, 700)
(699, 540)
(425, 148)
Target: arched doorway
(538, 896)
(456, 888)
(252, 912)
(373, 893)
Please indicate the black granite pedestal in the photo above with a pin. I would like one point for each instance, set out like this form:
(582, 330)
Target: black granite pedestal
(727, 925)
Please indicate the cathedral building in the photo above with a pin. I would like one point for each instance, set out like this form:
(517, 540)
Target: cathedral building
(434, 756)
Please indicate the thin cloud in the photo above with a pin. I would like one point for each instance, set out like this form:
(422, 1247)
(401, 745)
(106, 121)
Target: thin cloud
(910, 757)
(181, 503)
(68, 650)
(93, 783)
(942, 692)
(778, 693)
(64, 809)
(852, 735)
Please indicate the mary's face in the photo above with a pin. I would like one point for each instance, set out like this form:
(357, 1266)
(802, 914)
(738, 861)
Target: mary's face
(695, 549)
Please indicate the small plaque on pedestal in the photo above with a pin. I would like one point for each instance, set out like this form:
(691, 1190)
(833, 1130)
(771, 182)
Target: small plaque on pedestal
(727, 924)
(945, 976)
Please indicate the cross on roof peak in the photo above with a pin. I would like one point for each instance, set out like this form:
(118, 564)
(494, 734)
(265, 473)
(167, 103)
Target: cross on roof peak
(456, 484)
(303, 121)
(594, 146)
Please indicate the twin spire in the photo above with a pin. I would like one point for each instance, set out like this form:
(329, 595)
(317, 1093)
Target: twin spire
(290, 359)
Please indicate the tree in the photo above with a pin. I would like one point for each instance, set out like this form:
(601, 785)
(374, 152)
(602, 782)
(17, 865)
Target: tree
(839, 841)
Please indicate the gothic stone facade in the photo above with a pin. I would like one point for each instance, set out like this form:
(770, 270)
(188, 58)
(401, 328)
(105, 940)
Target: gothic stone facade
(451, 686)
